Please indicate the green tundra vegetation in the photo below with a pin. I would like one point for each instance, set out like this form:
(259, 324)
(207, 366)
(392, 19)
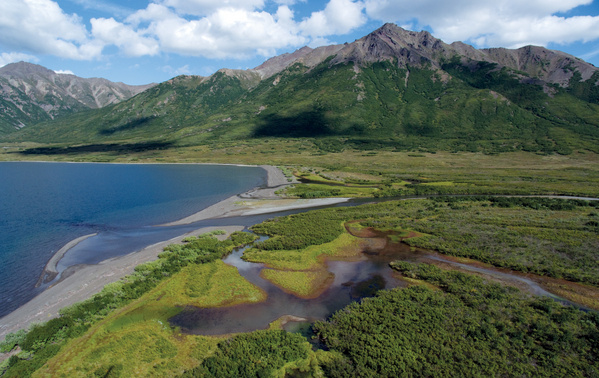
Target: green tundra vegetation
(364, 130)
(552, 237)
(259, 354)
(446, 321)
(462, 326)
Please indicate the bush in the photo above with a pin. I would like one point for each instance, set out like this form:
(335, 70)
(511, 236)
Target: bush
(12, 340)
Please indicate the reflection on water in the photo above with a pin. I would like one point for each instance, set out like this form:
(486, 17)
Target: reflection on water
(353, 280)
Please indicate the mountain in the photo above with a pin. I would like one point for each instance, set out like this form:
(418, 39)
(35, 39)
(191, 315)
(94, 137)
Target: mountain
(393, 89)
(30, 93)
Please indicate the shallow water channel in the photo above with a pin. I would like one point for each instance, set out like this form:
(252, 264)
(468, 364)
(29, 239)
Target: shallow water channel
(354, 279)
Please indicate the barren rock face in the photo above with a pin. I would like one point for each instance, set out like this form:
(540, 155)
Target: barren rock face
(32, 93)
(418, 49)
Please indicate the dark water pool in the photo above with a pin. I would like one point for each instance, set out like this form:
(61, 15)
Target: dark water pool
(353, 281)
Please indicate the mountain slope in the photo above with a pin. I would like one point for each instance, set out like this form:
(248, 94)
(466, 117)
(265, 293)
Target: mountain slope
(30, 93)
(391, 89)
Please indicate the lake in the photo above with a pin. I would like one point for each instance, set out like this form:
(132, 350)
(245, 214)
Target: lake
(43, 206)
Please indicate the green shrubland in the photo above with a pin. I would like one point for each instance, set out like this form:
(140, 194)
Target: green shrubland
(547, 236)
(469, 328)
(449, 321)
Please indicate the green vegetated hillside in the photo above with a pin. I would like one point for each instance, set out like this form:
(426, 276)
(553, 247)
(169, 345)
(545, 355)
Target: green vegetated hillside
(18, 110)
(444, 100)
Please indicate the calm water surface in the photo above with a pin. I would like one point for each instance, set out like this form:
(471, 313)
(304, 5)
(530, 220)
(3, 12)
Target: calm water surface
(43, 206)
(353, 281)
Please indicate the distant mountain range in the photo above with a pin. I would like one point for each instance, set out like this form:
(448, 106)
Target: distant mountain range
(392, 89)
(30, 94)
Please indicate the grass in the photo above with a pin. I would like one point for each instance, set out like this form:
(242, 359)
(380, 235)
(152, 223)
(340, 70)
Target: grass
(141, 349)
(137, 340)
(310, 258)
(304, 284)
(206, 285)
(325, 190)
(302, 272)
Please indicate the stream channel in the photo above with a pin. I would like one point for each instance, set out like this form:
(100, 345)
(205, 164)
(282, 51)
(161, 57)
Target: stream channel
(354, 279)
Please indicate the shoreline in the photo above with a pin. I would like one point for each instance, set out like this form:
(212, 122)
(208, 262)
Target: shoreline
(80, 282)
(83, 281)
(50, 272)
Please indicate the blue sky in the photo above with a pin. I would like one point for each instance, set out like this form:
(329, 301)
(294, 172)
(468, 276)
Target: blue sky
(139, 42)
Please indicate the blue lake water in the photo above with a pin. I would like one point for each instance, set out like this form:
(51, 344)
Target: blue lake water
(43, 206)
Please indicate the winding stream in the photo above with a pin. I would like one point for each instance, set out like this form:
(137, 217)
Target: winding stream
(353, 281)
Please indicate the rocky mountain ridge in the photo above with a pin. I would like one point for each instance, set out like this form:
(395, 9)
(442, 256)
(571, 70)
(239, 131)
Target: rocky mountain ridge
(30, 93)
(418, 49)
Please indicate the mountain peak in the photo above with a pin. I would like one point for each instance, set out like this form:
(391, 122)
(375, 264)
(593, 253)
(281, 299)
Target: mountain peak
(391, 42)
(25, 69)
(280, 62)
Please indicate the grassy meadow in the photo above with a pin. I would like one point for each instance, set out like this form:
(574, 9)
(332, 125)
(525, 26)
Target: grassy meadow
(381, 172)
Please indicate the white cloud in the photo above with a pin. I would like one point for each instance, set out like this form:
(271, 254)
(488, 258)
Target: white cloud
(590, 54)
(288, 2)
(7, 58)
(224, 29)
(184, 70)
(104, 6)
(206, 7)
(228, 32)
(509, 23)
(338, 17)
(64, 72)
(319, 41)
(41, 27)
(131, 42)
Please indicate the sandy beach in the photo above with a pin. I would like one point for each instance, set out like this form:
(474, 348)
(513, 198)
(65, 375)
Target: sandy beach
(81, 282)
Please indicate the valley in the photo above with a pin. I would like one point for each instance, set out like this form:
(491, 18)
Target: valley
(469, 156)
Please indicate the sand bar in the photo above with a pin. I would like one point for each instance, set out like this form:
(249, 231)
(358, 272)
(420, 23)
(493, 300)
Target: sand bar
(84, 281)
(50, 272)
(81, 282)
(258, 201)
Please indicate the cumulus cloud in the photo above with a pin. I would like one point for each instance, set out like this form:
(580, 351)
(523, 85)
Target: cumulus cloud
(41, 27)
(131, 42)
(227, 32)
(338, 17)
(206, 7)
(224, 29)
(64, 72)
(184, 70)
(7, 58)
(288, 2)
(509, 23)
